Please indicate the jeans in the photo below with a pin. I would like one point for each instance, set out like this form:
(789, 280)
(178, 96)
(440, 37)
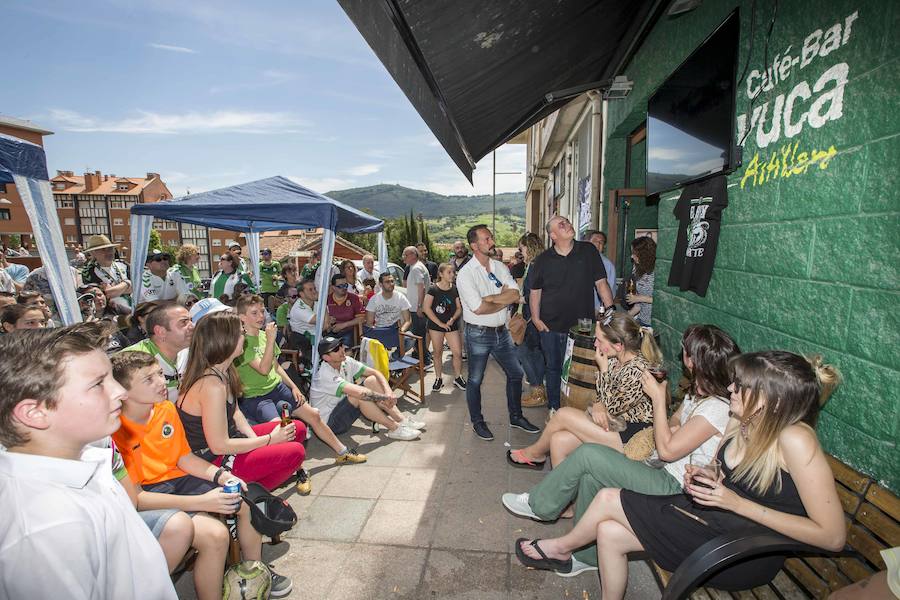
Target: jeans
(553, 345)
(267, 407)
(532, 359)
(481, 344)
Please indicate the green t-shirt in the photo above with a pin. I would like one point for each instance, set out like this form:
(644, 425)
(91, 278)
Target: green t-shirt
(254, 383)
(266, 274)
(281, 315)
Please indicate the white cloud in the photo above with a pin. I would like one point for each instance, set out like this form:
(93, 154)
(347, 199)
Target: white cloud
(222, 121)
(322, 184)
(169, 48)
(363, 170)
(657, 153)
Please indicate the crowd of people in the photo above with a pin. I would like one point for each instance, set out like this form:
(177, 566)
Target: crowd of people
(137, 416)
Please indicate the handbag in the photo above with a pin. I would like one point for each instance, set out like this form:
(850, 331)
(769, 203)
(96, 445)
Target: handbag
(516, 326)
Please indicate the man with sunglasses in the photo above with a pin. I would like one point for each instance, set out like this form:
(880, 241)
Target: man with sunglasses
(345, 308)
(564, 279)
(153, 280)
(486, 289)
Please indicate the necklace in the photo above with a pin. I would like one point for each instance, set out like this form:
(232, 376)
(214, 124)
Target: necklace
(745, 424)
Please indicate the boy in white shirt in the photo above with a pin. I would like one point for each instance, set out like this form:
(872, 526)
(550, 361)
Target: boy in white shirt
(64, 509)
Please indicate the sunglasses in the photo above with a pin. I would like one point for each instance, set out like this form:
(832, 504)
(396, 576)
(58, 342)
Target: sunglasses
(496, 281)
(343, 286)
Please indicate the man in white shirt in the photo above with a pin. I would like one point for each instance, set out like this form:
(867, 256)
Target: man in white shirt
(302, 318)
(369, 270)
(344, 389)
(65, 511)
(486, 289)
(387, 308)
(418, 281)
(153, 280)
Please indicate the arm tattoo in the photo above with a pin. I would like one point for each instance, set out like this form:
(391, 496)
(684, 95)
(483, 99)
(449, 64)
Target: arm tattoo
(373, 396)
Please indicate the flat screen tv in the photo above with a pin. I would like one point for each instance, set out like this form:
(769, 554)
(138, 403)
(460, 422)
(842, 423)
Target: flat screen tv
(690, 117)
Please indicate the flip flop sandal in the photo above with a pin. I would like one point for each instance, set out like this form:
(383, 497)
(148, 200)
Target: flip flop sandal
(518, 459)
(544, 563)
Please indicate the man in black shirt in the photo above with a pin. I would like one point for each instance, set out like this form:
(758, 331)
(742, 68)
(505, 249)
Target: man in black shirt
(429, 264)
(563, 281)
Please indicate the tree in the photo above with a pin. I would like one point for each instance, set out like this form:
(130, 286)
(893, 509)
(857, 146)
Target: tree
(155, 242)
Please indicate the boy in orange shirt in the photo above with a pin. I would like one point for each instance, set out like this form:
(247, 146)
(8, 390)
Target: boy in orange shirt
(159, 460)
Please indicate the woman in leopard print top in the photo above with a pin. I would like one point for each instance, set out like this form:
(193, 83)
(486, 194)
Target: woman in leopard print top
(623, 352)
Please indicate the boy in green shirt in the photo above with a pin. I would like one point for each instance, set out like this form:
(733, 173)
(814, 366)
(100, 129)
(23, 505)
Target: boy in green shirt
(269, 275)
(268, 388)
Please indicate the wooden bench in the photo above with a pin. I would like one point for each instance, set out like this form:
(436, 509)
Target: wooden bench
(872, 514)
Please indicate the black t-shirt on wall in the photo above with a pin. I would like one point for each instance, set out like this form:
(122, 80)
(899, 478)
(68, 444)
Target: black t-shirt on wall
(699, 210)
(567, 284)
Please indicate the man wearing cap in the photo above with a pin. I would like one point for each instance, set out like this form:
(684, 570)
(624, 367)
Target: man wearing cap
(170, 329)
(109, 274)
(236, 249)
(269, 275)
(344, 388)
(312, 265)
(153, 280)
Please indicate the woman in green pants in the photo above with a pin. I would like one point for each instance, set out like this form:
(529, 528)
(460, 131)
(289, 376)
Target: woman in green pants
(697, 426)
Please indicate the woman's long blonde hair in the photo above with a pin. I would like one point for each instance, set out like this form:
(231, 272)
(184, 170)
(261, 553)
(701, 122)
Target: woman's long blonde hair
(214, 340)
(623, 329)
(779, 389)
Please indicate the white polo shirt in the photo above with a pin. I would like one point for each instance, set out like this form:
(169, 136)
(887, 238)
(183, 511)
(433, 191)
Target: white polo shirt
(474, 283)
(301, 316)
(327, 389)
(69, 531)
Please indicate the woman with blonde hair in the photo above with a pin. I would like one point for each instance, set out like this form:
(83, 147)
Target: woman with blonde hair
(623, 351)
(183, 277)
(773, 477)
(444, 312)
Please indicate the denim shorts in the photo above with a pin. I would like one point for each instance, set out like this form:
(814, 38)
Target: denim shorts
(267, 407)
(156, 519)
(342, 417)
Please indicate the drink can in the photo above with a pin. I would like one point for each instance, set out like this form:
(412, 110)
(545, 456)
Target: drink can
(232, 486)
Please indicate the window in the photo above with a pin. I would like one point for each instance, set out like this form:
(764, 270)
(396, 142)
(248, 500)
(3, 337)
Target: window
(5, 214)
(64, 201)
(123, 186)
(217, 243)
(69, 221)
(118, 222)
(71, 239)
(119, 238)
(59, 185)
(559, 178)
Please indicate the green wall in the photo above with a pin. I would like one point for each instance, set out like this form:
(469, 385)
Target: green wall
(809, 253)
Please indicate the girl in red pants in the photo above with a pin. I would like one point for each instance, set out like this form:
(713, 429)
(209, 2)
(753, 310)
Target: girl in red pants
(267, 453)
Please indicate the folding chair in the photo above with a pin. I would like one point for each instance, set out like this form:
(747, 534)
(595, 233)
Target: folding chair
(401, 366)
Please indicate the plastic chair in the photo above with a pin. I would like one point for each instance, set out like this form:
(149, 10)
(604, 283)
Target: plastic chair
(401, 366)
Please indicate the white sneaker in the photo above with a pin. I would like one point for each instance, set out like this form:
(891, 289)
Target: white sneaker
(412, 423)
(550, 414)
(517, 504)
(403, 433)
(577, 568)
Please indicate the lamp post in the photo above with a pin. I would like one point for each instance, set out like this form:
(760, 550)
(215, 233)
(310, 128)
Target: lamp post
(494, 192)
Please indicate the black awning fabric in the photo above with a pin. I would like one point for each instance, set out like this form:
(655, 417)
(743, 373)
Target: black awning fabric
(477, 71)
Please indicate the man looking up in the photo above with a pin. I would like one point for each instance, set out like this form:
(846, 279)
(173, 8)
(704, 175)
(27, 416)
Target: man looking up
(170, 329)
(345, 308)
(417, 283)
(598, 239)
(387, 308)
(564, 279)
(486, 289)
(153, 280)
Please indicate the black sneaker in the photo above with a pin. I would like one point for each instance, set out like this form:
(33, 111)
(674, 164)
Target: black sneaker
(481, 430)
(281, 586)
(460, 382)
(520, 422)
(438, 384)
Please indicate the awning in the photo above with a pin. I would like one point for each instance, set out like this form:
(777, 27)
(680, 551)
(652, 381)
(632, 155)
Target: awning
(478, 71)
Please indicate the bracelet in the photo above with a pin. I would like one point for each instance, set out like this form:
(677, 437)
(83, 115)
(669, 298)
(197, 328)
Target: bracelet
(269, 441)
(218, 474)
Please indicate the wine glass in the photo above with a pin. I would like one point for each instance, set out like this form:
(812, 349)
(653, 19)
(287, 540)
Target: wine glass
(704, 465)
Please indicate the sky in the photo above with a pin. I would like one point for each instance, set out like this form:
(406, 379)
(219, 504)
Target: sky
(210, 94)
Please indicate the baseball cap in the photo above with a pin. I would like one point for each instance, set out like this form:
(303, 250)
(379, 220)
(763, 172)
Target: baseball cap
(265, 251)
(204, 307)
(329, 344)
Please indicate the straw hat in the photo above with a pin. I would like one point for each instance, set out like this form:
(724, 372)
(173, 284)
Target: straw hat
(98, 242)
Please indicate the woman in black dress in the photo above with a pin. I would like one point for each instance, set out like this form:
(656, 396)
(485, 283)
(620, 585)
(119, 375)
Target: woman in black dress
(774, 476)
(444, 313)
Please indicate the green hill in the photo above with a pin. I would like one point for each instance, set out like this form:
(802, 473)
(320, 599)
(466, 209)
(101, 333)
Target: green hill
(392, 201)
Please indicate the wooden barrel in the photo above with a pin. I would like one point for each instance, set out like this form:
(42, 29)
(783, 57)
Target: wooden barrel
(581, 390)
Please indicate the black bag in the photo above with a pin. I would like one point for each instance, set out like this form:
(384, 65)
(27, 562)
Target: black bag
(269, 514)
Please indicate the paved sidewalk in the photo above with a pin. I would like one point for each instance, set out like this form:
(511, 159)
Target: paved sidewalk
(423, 519)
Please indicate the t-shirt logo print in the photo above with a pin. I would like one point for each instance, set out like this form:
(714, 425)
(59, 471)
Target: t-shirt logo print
(167, 430)
(698, 228)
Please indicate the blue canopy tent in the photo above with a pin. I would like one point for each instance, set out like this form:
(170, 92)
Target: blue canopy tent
(275, 203)
(24, 165)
